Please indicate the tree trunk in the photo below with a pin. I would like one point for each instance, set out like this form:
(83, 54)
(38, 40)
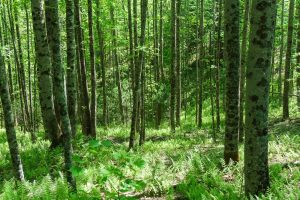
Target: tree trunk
(116, 64)
(138, 70)
(85, 105)
(178, 64)
(281, 53)
(298, 57)
(43, 60)
(102, 63)
(286, 87)
(257, 96)
(243, 69)
(173, 66)
(9, 123)
(93, 70)
(71, 65)
(232, 62)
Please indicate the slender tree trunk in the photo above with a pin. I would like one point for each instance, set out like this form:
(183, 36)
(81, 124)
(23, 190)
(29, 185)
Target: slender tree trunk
(281, 53)
(298, 57)
(232, 61)
(71, 65)
(9, 123)
(43, 60)
(93, 70)
(173, 66)
(53, 33)
(219, 52)
(138, 70)
(86, 120)
(257, 96)
(286, 88)
(243, 69)
(116, 64)
(200, 64)
(102, 63)
(178, 64)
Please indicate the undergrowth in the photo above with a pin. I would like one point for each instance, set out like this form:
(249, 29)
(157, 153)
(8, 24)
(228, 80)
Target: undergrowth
(185, 165)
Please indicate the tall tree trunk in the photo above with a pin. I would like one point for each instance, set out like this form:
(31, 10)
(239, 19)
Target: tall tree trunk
(200, 63)
(232, 62)
(298, 57)
(93, 70)
(219, 52)
(173, 66)
(86, 120)
(286, 87)
(281, 53)
(138, 70)
(116, 64)
(178, 64)
(243, 69)
(102, 63)
(257, 96)
(43, 60)
(71, 65)
(53, 34)
(9, 123)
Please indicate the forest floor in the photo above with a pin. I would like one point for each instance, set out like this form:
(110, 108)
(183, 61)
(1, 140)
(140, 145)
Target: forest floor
(185, 165)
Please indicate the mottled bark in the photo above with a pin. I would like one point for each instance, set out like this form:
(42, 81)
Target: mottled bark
(71, 65)
(9, 123)
(281, 53)
(43, 60)
(232, 62)
(287, 70)
(262, 31)
(243, 68)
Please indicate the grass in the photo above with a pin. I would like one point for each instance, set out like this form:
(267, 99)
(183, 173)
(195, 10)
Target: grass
(186, 165)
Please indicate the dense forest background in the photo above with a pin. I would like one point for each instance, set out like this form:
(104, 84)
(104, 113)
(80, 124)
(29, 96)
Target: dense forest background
(149, 99)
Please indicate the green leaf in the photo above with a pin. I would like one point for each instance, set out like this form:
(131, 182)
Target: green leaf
(94, 144)
(140, 163)
(107, 143)
(76, 171)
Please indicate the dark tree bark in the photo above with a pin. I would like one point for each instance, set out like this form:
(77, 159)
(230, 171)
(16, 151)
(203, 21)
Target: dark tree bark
(71, 65)
(173, 66)
(85, 105)
(93, 70)
(281, 53)
(243, 68)
(232, 62)
(178, 64)
(138, 70)
(287, 70)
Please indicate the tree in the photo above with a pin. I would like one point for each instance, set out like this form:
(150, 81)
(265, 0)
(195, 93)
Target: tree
(232, 62)
(173, 66)
(138, 71)
(243, 69)
(286, 87)
(93, 70)
(43, 60)
(53, 33)
(262, 30)
(281, 52)
(298, 56)
(178, 64)
(71, 68)
(85, 102)
(9, 123)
